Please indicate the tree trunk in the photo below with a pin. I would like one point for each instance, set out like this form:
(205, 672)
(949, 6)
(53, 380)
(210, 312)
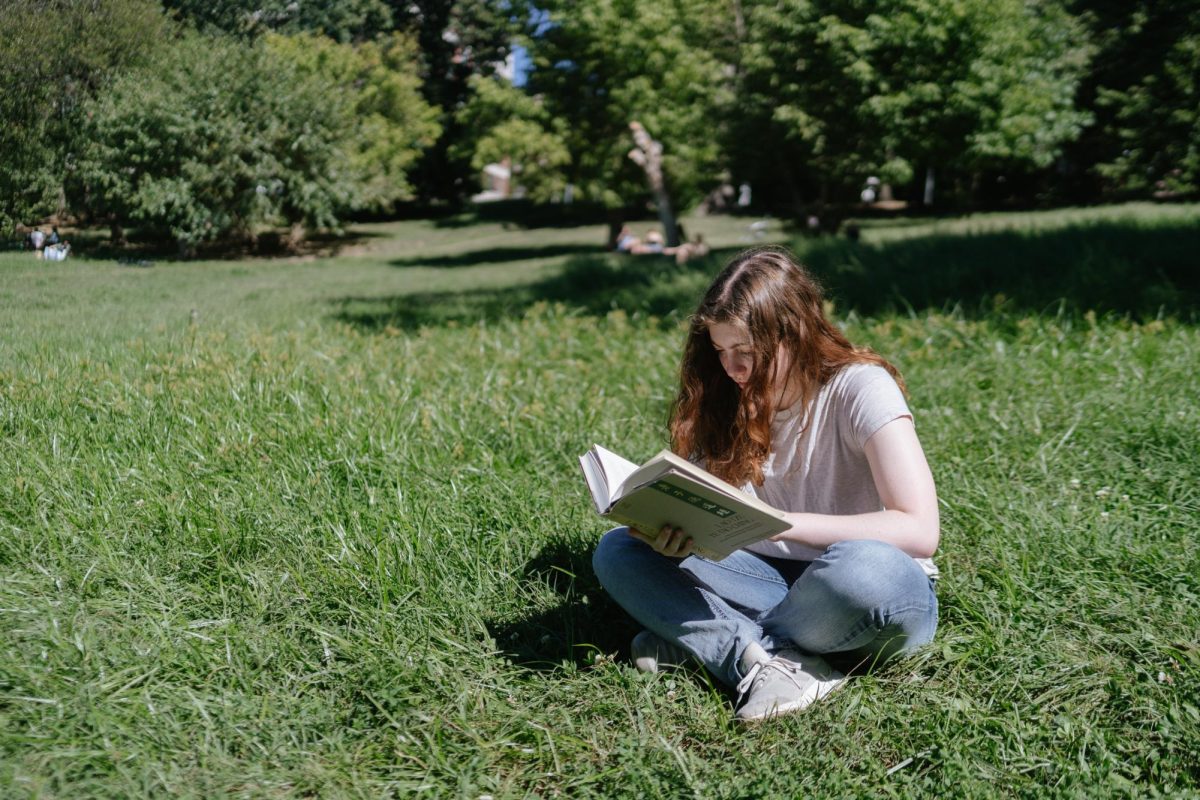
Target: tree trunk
(295, 237)
(885, 189)
(927, 199)
(795, 194)
(616, 221)
(648, 155)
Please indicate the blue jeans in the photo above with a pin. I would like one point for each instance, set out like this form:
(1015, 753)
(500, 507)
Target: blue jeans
(859, 604)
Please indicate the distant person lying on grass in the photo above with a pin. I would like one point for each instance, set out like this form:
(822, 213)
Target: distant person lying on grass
(653, 244)
(775, 400)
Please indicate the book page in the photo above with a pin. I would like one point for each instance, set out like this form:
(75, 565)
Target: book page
(593, 473)
(616, 469)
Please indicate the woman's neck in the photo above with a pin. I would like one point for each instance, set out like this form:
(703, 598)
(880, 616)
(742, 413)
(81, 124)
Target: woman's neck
(785, 396)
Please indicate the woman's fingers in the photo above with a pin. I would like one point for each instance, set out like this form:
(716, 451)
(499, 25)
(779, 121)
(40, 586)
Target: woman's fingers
(670, 541)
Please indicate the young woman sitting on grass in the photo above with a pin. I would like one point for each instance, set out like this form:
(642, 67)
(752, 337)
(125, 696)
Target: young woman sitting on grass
(774, 399)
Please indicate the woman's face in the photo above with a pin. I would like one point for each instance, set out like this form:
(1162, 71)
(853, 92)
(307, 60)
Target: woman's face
(735, 349)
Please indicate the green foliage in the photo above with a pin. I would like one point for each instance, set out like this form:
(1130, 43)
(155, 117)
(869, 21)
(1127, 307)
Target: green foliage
(1141, 89)
(345, 20)
(216, 139)
(1035, 56)
(501, 123)
(457, 39)
(537, 157)
(389, 122)
(801, 98)
(54, 56)
(844, 89)
(1156, 119)
(602, 64)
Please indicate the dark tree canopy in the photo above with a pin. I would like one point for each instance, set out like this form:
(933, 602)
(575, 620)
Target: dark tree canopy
(965, 103)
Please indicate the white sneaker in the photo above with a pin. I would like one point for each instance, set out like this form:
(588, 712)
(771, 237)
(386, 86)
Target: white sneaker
(652, 653)
(788, 682)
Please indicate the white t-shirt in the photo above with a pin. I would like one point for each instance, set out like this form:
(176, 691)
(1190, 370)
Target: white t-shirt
(823, 469)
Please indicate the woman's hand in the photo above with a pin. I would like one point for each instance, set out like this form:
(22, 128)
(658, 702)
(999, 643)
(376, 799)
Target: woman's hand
(670, 541)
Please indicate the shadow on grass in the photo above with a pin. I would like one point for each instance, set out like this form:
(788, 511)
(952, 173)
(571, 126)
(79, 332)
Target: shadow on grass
(497, 255)
(1138, 268)
(584, 622)
(141, 249)
(1134, 268)
(594, 284)
(523, 213)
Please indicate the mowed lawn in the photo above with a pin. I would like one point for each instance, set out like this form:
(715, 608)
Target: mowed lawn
(316, 527)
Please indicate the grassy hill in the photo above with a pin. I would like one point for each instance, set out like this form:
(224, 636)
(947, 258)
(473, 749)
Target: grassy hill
(315, 527)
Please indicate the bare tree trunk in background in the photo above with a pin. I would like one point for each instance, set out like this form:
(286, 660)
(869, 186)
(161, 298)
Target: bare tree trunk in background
(739, 22)
(294, 237)
(616, 221)
(885, 189)
(648, 155)
(794, 191)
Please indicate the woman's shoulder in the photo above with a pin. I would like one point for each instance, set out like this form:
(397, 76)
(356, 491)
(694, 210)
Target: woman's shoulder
(865, 398)
(854, 378)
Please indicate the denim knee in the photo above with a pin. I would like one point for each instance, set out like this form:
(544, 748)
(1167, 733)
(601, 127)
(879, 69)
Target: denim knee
(610, 552)
(862, 597)
(864, 573)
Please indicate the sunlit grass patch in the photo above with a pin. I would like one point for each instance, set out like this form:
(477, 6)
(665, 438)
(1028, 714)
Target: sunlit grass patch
(269, 549)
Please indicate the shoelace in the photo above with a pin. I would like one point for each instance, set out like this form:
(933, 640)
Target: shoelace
(788, 668)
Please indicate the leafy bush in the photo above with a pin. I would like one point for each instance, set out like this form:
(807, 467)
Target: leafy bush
(216, 138)
(500, 122)
(389, 124)
(51, 60)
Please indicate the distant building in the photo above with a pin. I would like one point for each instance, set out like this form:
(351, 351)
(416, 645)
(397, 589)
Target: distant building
(496, 180)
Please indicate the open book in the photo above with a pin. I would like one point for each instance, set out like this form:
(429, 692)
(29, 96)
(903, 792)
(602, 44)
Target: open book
(718, 517)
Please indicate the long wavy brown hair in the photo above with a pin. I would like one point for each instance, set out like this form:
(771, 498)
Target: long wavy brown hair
(767, 292)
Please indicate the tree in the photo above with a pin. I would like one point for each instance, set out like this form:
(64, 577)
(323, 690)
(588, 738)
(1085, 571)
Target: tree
(344, 21)
(54, 56)
(216, 138)
(602, 64)
(390, 123)
(458, 39)
(1144, 92)
(844, 89)
(502, 123)
(647, 154)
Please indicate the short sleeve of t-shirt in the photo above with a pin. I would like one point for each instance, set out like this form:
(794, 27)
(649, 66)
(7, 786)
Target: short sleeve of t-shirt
(872, 399)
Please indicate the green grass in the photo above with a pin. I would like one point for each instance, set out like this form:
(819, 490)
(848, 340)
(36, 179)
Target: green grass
(326, 535)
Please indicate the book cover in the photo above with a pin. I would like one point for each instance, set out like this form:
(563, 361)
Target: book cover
(718, 517)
